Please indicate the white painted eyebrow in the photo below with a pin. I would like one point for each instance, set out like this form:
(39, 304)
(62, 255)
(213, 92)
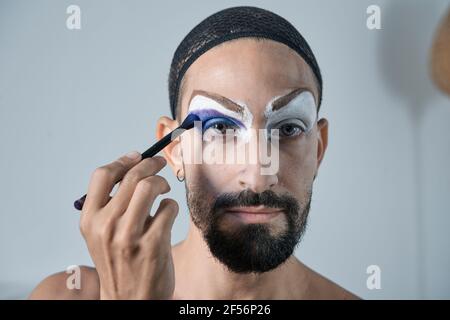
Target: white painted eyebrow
(303, 106)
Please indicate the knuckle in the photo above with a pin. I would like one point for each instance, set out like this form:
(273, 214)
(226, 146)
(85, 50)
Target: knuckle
(152, 165)
(153, 162)
(153, 184)
(132, 177)
(145, 186)
(157, 234)
(123, 243)
(103, 172)
(84, 225)
(114, 211)
(105, 231)
(109, 221)
(120, 164)
(122, 240)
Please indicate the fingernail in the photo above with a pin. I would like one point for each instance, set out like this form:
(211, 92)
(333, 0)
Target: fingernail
(162, 159)
(133, 155)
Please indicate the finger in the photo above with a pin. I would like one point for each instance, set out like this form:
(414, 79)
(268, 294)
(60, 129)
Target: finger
(104, 178)
(162, 222)
(147, 167)
(142, 200)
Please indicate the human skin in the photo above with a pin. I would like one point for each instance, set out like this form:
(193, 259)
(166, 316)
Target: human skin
(132, 252)
(440, 55)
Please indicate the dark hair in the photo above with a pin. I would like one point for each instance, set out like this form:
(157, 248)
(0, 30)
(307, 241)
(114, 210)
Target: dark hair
(229, 24)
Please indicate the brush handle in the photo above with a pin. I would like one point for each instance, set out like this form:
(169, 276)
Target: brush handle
(158, 146)
(150, 152)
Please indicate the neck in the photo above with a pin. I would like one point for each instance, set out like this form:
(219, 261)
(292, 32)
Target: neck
(200, 276)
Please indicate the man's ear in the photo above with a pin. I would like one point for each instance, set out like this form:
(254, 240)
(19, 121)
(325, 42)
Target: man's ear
(322, 130)
(172, 152)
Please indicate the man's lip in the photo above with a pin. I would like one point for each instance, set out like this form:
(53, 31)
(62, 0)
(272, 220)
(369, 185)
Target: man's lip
(254, 210)
(259, 214)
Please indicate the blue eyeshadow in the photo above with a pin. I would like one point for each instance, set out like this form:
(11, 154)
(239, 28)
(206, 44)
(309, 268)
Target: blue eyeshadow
(209, 117)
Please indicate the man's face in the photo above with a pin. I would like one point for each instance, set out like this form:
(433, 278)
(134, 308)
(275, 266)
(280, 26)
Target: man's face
(252, 220)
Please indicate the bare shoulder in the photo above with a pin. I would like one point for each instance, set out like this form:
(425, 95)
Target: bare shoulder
(322, 288)
(55, 286)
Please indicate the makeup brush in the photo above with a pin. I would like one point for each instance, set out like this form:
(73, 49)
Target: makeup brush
(187, 124)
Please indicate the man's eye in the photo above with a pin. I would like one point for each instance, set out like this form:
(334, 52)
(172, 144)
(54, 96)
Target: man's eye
(289, 128)
(220, 125)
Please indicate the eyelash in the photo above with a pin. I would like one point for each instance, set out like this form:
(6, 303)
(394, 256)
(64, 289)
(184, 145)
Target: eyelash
(298, 124)
(228, 123)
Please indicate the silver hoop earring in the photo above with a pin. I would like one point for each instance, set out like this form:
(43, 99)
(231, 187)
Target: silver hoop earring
(178, 176)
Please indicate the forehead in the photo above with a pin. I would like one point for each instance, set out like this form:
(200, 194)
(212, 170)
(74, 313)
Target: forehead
(248, 71)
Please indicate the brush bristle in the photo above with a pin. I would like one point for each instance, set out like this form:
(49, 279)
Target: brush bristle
(189, 121)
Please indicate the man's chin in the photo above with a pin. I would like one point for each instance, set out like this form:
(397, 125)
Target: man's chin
(249, 248)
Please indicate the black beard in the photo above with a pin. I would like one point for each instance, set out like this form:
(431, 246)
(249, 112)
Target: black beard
(251, 247)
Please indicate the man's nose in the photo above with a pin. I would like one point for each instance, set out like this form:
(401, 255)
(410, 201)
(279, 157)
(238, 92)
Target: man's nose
(251, 177)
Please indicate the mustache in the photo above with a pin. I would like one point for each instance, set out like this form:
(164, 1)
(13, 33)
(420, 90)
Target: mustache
(246, 198)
